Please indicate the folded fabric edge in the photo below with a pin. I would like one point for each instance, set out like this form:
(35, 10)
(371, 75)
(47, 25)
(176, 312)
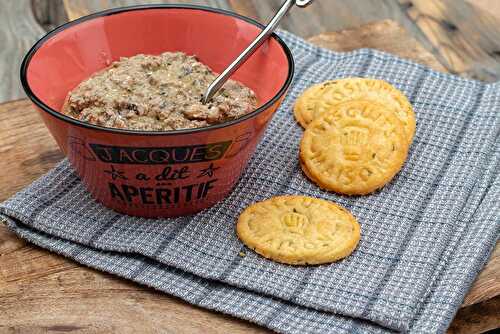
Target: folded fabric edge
(483, 183)
(15, 219)
(381, 320)
(492, 180)
(301, 324)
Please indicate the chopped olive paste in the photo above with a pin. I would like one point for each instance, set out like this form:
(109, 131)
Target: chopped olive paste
(157, 93)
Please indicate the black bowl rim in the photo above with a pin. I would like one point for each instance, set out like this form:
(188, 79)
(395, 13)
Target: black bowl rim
(60, 116)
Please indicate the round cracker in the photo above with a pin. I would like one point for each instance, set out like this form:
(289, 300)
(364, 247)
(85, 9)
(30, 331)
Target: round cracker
(355, 148)
(379, 91)
(299, 230)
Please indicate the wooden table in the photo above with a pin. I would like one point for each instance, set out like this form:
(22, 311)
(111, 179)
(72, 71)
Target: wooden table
(461, 34)
(43, 292)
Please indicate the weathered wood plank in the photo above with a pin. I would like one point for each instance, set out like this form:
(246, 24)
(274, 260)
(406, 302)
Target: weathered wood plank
(41, 292)
(331, 15)
(464, 36)
(386, 36)
(490, 6)
(18, 31)
(78, 8)
(461, 34)
(477, 319)
(49, 14)
(27, 149)
(468, 46)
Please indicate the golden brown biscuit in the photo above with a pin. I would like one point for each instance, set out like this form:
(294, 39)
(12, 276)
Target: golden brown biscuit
(303, 109)
(348, 89)
(299, 230)
(355, 148)
(306, 172)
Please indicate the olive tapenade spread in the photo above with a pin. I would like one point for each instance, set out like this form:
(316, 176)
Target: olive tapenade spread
(157, 93)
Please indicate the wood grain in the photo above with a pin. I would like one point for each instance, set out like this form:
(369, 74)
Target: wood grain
(78, 8)
(477, 318)
(43, 292)
(461, 33)
(49, 14)
(464, 37)
(385, 35)
(490, 6)
(331, 15)
(18, 31)
(27, 149)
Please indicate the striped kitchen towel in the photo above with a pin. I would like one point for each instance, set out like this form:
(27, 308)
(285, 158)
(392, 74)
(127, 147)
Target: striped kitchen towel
(425, 236)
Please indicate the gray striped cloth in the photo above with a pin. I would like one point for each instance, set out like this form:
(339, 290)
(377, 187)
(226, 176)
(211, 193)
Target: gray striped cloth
(425, 236)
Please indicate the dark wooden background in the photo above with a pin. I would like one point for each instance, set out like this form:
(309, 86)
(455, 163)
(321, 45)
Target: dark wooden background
(464, 35)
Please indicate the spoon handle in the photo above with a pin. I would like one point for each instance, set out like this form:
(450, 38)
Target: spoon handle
(261, 38)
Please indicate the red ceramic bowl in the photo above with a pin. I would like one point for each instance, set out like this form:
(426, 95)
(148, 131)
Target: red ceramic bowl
(156, 174)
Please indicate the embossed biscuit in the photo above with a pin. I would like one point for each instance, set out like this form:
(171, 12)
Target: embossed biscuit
(299, 230)
(306, 172)
(303, 109)
(348, 89)
(355, 148)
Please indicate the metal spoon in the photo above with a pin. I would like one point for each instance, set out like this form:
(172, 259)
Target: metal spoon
(242, 58)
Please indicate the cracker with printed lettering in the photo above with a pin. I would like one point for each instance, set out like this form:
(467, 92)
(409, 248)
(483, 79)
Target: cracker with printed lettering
(355, 148)
(348, 89)
(303, 109)
(299, 230)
